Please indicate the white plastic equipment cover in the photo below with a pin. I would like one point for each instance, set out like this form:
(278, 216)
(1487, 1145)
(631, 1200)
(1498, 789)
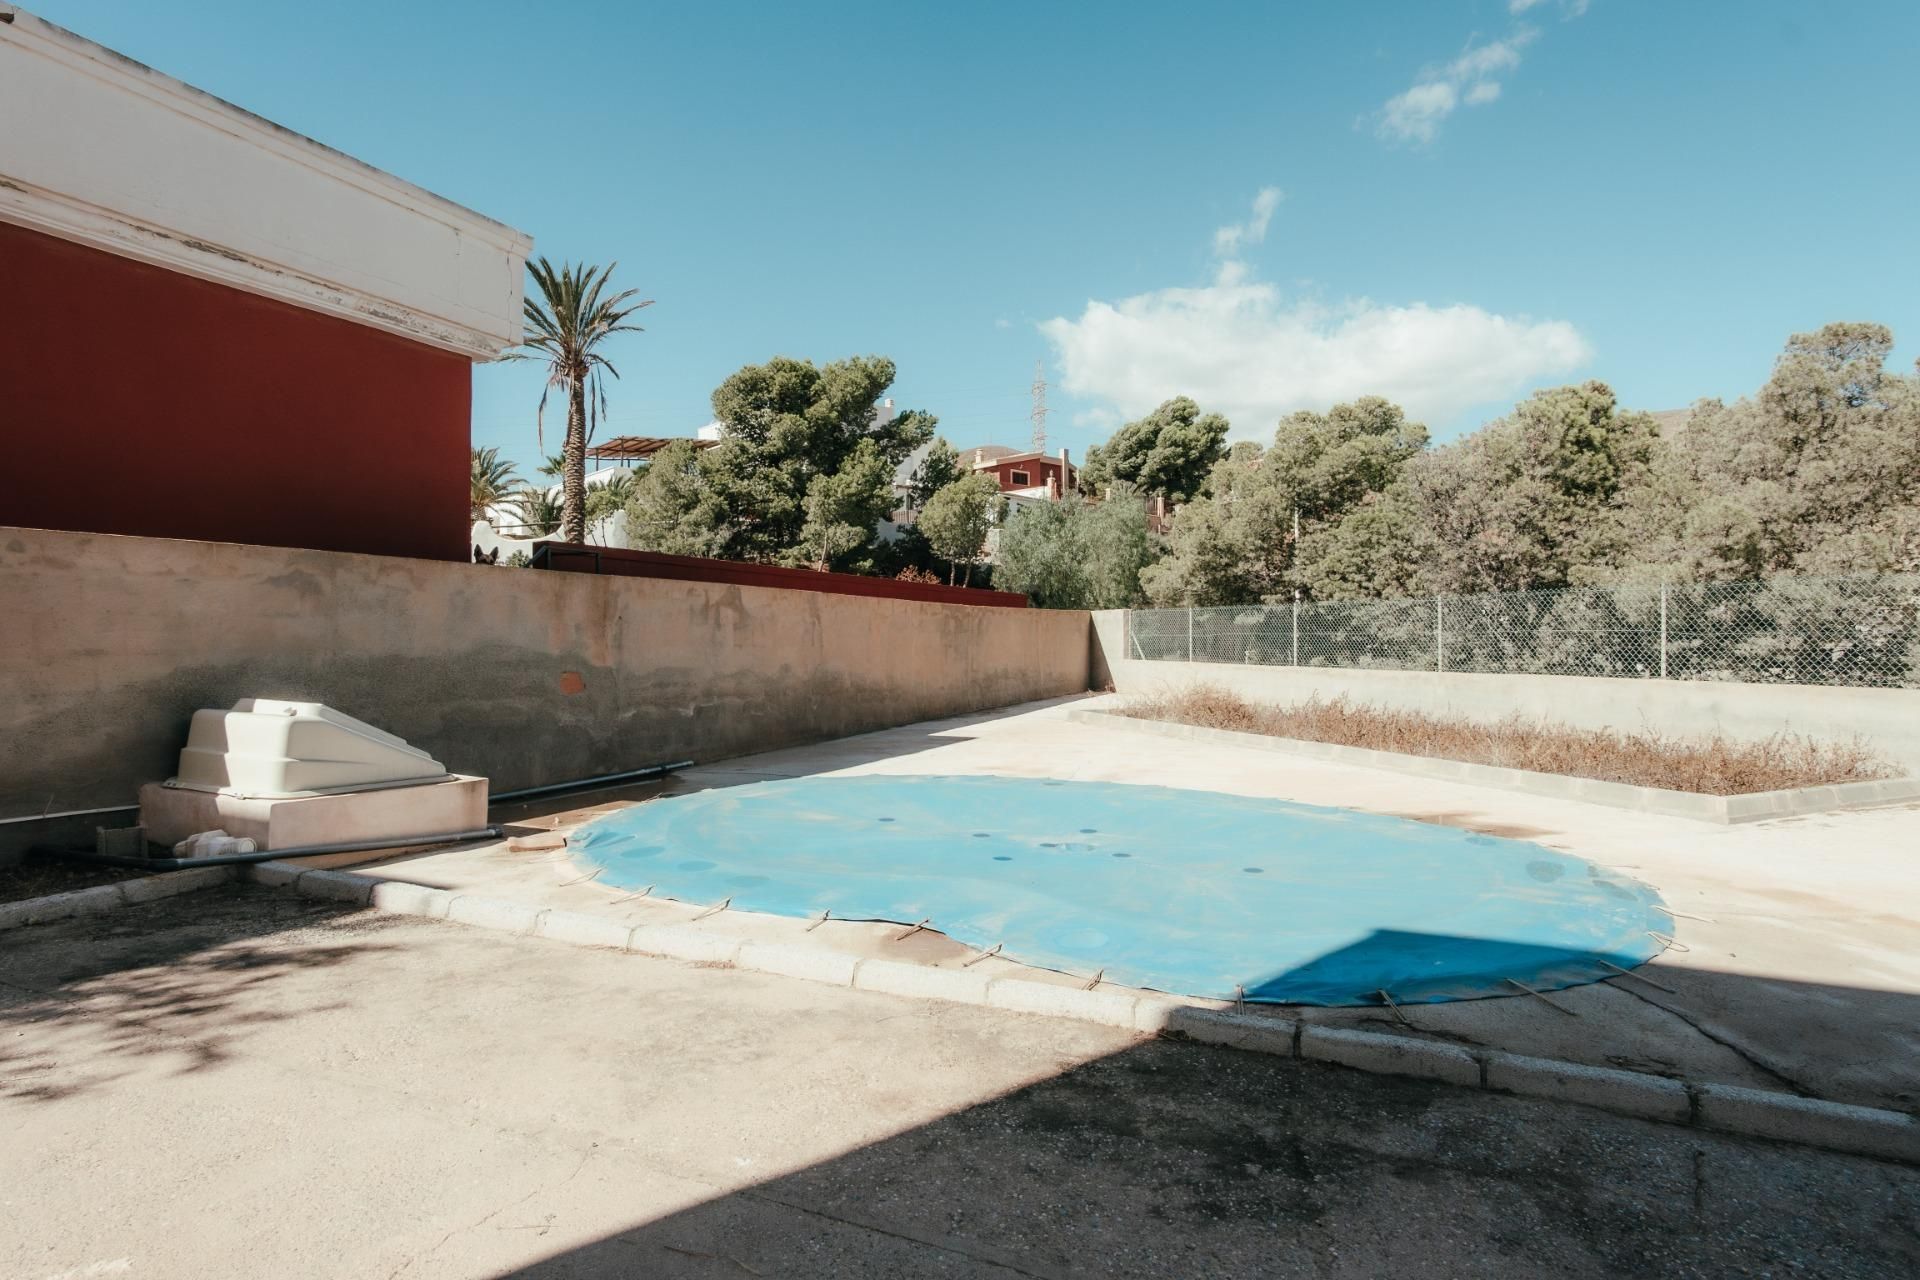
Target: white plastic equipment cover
(265, 747)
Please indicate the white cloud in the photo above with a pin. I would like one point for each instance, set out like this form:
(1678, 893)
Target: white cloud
(1416, 114)
(1501, 55)
(1242, 348)
(1228, 240)
(1520, 6)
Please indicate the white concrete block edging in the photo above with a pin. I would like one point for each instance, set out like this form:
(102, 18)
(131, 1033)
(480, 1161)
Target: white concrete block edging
(1754, 1113)
(110, 897)
(1756, 807)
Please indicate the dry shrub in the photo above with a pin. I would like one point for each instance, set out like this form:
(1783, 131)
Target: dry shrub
(1713, 766)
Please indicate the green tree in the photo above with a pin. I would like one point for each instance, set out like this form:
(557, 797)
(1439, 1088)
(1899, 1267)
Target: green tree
(540, 512)
(938, 469)
(1819, 472)
(1326, 463)
(1535, 499)
(608, 500)
(492, 483)
(957, 518)
(785, 422)
(1375, 551)
(772, 490)
(1231, 548)
(1169, 452)
(674, 507)
(565, 326)
(1075, 554)
(1241, 543)
(843, 508)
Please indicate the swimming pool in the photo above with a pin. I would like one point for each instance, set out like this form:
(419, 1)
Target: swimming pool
(1192, 892)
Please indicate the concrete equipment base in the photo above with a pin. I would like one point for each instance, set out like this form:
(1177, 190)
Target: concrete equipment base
(171, 814)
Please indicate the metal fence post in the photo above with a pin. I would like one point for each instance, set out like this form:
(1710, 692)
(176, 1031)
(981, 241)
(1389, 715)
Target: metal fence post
(1663, 631)
(1439, 634)
(1296, 626)
(1189, 633)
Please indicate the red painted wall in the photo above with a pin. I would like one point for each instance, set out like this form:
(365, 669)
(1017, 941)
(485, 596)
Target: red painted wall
(137, 400)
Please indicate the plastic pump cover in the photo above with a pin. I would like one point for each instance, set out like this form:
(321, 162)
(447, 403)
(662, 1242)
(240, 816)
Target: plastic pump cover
(266, 747)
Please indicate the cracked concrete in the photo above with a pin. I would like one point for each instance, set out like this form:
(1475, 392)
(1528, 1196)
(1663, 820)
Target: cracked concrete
(244, 1082)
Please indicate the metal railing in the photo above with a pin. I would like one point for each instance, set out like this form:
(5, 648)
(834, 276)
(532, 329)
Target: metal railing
(1862, 630)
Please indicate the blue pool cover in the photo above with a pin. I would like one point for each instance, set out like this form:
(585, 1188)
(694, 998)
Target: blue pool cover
(1193, 892)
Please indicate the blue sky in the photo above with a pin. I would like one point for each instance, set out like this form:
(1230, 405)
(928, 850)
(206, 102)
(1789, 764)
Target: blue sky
(1462, 202)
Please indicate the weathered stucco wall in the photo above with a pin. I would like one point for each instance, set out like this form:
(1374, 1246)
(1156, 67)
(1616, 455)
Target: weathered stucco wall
(108, 644)
(1887, 719)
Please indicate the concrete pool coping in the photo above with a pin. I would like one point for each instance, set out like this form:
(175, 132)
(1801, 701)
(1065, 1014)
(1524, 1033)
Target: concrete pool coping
(1753, 807)
(1724, 1108)
(1795, 966)
(1727, 1108)
(1796, 974)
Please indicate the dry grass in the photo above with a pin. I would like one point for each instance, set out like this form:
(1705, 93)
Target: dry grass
(1708, 766)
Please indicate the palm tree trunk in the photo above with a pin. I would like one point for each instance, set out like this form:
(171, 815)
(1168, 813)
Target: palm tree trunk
(573, 479)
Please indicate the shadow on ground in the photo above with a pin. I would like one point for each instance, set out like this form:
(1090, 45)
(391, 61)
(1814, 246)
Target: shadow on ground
(171, 992)
(1177, 1160)
(639, 1084)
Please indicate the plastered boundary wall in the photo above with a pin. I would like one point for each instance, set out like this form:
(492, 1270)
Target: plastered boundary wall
(1888, 719)
(108, 644)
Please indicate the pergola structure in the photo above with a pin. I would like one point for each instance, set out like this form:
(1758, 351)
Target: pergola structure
(631, 449)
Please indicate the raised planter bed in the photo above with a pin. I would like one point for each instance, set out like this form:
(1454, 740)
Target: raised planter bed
(1755, 807)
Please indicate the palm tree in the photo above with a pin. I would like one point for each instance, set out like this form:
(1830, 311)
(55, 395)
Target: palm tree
(608, 499)
(540, 512)
(493, 482)
(565, 326)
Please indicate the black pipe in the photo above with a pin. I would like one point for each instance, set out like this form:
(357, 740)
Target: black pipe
(267, 855)
(583, 784)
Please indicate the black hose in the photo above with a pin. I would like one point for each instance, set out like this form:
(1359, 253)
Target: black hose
(267, 855)
(582, 784)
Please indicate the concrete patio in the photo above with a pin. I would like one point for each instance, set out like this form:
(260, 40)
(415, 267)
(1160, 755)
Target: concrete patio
(246, 1082)
(1796, 969)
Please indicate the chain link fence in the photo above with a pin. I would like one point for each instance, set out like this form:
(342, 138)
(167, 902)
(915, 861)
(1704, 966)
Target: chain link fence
(1861, 630)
